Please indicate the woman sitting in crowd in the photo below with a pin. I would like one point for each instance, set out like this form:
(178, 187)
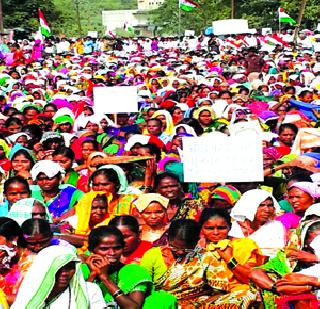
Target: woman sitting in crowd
(127, 286)
(169, 186)
(58, 198)
(152, 208)
(254, 216)
(14, 189)
(55, 280)
(134, 247)
(109, 180)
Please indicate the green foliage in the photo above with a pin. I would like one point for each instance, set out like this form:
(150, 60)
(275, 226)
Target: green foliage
(260, 13)
(24, 13)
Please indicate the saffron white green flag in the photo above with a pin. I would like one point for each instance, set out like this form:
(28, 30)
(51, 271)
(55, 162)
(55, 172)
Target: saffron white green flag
(285, 18)
(187, 5)
(44, 27)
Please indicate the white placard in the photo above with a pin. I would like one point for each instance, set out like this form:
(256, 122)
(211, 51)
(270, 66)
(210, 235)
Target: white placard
(318, 27)
(230, 26)
(93, 34)
(118, 99)
(189, 33)
(221, 158)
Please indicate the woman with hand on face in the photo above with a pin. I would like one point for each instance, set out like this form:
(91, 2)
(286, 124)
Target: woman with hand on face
(21, 162)
(216, 224)
(124, 285)
(198, 277)
(55, 280)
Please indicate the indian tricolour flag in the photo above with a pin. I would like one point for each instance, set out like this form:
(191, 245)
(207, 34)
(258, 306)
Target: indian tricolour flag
(44, 27)
(187, 5)
(285, 18)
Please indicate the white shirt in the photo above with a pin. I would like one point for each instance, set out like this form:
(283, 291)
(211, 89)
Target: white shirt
(270, 237)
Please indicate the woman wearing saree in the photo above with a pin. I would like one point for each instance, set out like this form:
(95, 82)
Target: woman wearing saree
(123, 286)
(112, 179)
(166, 119)
(199, 278)
(92, 211)
(277, 276)
(169, 186)
(65, 157)
(55, 281)
(254, 216)
(58, 198)
(301, 195)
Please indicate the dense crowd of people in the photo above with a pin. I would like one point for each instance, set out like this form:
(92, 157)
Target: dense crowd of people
(95, 211)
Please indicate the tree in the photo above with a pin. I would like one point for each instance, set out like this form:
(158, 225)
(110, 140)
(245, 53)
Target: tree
(24, 13)
(259, 13)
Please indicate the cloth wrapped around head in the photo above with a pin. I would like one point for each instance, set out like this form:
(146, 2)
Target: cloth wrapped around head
(197, 112)
(83, 211)
(23, 210)
(309, 187)
(228, 193)
(144, 200)
(247, 206)
(47, 167)
(40, 279)
(169, 123)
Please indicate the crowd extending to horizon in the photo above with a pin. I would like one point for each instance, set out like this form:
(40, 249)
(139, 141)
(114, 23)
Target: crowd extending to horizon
(94, 208)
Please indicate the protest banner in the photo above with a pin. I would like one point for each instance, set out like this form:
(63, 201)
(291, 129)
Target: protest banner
(189, 33)
(221, 158)
(112, 100)
(231, 26)
(93, 34)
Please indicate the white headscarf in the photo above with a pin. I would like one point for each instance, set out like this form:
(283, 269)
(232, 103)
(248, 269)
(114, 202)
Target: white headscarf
(136, 138)
(247, 206)
(48, 167)
(187, 128)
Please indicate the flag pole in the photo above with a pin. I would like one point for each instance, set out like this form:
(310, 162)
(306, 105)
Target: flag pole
(296, 31)
(179, 18)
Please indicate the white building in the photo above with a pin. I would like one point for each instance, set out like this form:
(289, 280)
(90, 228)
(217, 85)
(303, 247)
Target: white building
(138, 19)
